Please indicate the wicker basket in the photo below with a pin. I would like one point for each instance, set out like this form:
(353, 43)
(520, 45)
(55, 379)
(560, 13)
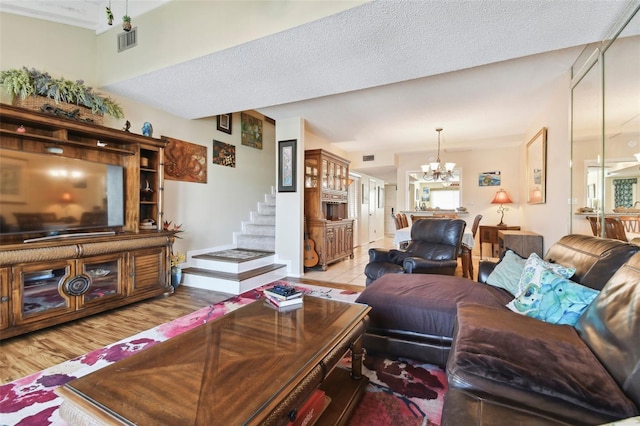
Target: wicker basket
(37, 102)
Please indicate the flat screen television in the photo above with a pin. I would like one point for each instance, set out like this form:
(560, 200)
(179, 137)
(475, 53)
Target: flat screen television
(44, 195)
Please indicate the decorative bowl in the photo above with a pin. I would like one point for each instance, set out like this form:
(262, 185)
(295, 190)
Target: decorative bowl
(96, 273)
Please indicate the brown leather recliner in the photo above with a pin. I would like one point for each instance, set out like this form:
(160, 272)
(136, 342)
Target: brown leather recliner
(434, 248)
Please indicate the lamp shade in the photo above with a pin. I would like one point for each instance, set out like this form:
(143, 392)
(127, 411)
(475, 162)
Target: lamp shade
(501, 197)
(536, 195)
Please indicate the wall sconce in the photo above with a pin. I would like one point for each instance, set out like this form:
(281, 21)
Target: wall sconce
(65, 198)
(501, 198)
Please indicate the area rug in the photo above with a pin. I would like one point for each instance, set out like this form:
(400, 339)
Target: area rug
(401, 392)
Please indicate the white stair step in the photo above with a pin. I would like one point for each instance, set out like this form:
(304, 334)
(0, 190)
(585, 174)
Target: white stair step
(256, 242)
(232, 283)
(259, 229)
(261, 219)
(266, 209)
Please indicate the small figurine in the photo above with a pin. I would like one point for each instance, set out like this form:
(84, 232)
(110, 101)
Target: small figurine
(147, 129)
(127, 126)
(21, 129)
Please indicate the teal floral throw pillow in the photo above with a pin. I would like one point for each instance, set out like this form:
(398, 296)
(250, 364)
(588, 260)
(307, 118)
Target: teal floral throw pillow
(553, 298)
(534, 266)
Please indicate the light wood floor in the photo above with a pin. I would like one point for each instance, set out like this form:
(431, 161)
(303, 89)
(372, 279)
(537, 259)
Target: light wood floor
(35, 351)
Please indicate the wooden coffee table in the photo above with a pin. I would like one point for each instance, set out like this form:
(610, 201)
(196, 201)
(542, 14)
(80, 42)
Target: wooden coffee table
(254, 365)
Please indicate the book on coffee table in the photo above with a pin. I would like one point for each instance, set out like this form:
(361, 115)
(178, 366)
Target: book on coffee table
(282, 292)
(283, 303)
(311, 410)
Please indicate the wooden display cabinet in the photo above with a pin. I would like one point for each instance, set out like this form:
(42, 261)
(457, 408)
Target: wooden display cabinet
(326, 182)
(51, 281)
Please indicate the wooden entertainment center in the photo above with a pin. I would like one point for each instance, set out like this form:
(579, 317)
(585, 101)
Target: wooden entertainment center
(48, 279)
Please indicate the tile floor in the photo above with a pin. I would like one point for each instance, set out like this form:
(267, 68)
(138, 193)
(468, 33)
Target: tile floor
(351, 271)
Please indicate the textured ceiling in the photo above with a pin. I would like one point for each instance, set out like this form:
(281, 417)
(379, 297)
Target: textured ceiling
(382, 76)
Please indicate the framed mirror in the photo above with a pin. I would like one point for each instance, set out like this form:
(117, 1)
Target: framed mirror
(605, 131)
(537, 168)
(428, 195)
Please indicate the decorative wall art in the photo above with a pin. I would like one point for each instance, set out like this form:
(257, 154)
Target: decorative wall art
(185, 161)
(489, 179)
(426, 194)
(13, 185)
(224, 123)
(537, 168)
(251, 131)
(287, 166)
(224, 154)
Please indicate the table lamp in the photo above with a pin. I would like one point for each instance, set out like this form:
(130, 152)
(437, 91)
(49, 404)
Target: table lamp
(501, 198)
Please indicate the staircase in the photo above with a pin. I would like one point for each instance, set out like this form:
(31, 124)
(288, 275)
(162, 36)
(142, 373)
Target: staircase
(248, 265)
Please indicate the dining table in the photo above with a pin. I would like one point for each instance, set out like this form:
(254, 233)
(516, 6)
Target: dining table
(403, 235)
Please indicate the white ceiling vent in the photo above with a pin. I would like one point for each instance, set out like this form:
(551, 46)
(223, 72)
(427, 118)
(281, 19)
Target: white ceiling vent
(127, 40)
(368, 158)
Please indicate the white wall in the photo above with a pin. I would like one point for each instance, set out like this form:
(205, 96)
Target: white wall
(552, 219)
(289, 205)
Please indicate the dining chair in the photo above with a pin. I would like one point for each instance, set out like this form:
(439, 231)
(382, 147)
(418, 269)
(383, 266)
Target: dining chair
(403, 220)
(594, 222)
(465, 252)
(398, 222)
(614, 228)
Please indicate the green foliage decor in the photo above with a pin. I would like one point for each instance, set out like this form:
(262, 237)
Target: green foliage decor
(31, 82)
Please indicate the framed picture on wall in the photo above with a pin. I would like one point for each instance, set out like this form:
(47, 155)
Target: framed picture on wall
(493, 178)
(224, 122)
(287, 166)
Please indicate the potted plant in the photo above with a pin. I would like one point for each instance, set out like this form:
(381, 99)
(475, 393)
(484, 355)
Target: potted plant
(109, 16)
(176, 271)
(126, 23)
(28, 84)
(176, 258)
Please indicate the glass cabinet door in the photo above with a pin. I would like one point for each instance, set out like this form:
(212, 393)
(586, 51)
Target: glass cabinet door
(104, 277)
(311, 173)
(337, 178)
(332, 174)
(4, 298)
(41, 289)
(325, 174)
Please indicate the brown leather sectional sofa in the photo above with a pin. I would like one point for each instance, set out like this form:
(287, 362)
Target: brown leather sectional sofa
(504, 368)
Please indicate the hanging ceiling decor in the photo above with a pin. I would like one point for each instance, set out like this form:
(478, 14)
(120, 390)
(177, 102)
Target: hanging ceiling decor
(109, 14)
(126, 19)
(438, 171)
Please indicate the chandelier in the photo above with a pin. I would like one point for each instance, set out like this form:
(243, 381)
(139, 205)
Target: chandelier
(439, 171)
